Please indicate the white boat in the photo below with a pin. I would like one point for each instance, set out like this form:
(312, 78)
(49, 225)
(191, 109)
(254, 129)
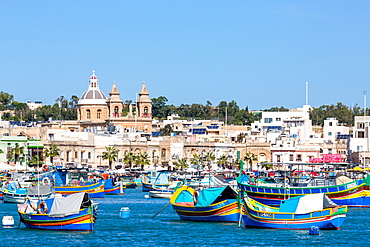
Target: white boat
(160, 194)
(13, 194)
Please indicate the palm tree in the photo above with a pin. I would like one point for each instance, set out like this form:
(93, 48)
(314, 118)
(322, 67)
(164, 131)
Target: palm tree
(35, 161)
(110, 154)
(143, 159)
(129, 158)
(17, 151)
(250, 157)
(52, 152)
(195, 160)
(223, 161)
(181, 164)
(209, 158)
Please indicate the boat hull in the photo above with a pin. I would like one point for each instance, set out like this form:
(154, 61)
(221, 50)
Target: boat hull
(226, 211)
(115, 190)
(20, 198)
(94, 190)
(324, 223)
(160, 194)
(84, 221)
(258, 215)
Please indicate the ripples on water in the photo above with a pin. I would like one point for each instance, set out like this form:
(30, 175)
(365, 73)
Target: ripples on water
(167, 230)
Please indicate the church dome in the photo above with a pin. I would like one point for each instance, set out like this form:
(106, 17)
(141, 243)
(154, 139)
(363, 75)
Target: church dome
(93, 95)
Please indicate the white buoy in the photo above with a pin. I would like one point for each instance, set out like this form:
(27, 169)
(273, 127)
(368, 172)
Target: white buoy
(146, 196)
(8, 221)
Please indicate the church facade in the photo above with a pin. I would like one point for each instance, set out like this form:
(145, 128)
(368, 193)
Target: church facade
(96, 110)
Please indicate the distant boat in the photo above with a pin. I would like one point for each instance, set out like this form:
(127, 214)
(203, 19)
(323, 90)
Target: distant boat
(353, 194)
(75, 212)
(68, 181)
(212, 204)
(300, 212)
(95, 190)
(111, 189)
(155, 179)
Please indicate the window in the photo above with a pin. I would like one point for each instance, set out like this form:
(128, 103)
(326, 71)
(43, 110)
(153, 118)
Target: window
(98, 114)
(116, 109)
(146, 109)
(51, 137)
(88, 114)
(299, 157)
(268, 120)
(330, 123)
(291, 157)
(359, 148)
(330, 134)
(76, 155)
(89, 155)
(330, 151)
(278, 119)
(278, 158)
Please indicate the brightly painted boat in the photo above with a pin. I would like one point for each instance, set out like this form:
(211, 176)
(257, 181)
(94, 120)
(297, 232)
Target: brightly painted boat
(13, 194)
(75, 212)
(302, 212)
(95, 190)
(212, 204)
(353, 194)
(155, 178)
(111, 189)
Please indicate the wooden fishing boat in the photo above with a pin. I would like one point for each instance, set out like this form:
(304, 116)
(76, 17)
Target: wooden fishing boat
(212, 204)
(353, 194)
(13, 194)
(95, 190)
(300, 212)
(75, 212)
(155, 178)
(111, 189)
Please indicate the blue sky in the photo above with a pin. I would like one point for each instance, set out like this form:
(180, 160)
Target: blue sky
(258, 53)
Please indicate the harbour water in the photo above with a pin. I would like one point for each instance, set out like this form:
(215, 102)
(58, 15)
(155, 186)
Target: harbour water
(167, 230)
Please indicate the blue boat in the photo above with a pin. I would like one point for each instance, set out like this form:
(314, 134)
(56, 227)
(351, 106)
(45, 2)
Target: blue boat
(212, 204)
(111, 189)
(353, 194)
(302, 212)
(75, 212)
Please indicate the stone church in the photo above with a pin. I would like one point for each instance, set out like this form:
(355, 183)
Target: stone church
(95, 110)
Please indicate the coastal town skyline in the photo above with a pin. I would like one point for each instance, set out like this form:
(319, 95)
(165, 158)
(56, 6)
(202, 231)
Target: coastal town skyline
(259, 54)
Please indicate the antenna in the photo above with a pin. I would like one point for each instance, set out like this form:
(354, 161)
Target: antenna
(306, 93)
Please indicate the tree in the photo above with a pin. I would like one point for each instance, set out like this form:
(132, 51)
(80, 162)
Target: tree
(35, 161)
(209, 157)
(110, 154)
(250, 157)
(223, 161)
(17, 152)
(166, 130)
(5, 100)
(159, 108)
(143, 159)
(129, 158)
(181, 164)
(266, 165)
(195, 160)
(51, 152)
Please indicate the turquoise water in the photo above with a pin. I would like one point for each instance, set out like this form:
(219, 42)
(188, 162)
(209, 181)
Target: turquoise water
(167, 230)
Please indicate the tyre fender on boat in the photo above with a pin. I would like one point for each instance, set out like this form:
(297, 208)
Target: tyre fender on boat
(46, 181)
(42, 208)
